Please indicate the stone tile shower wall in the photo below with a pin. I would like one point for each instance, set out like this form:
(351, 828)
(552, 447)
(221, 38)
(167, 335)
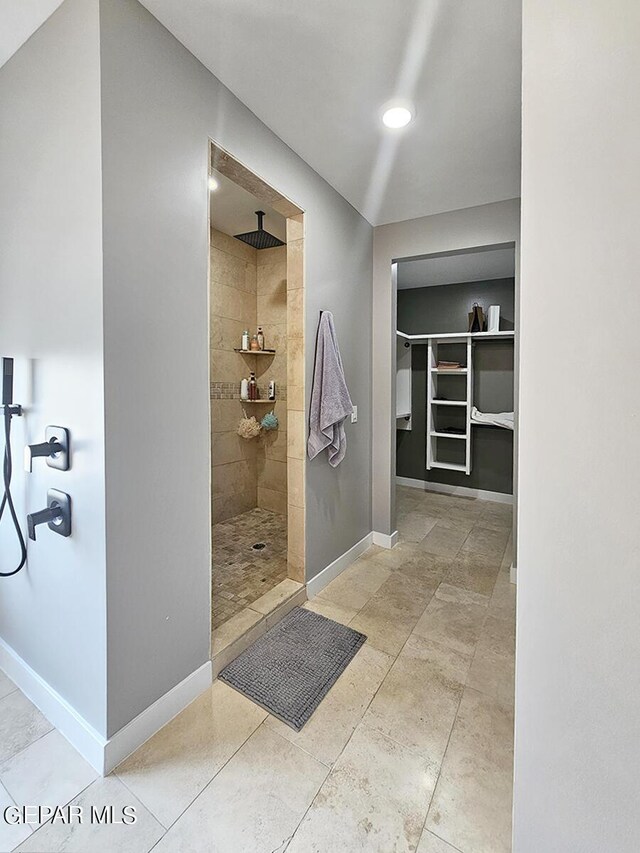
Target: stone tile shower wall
(296, 421)
(233, 308)
(248, 287)
(271, 460)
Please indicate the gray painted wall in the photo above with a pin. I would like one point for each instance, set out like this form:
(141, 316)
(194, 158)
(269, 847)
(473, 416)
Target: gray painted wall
(160, 106)
(444, 309)
(578, 644)
(53, 613)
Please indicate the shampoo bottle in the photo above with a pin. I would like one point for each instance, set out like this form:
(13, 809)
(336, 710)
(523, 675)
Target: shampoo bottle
(253, 387)
(244, 389)
(245, 339)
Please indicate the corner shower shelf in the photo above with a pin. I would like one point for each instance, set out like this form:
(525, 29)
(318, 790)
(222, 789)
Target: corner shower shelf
(255, 351)
(253, 402)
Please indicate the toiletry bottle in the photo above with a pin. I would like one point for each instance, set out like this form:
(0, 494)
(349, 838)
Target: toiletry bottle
(254, 343)
(260, 337)
(245, 339)
(272, 389)
(244, 389)
(253, 387)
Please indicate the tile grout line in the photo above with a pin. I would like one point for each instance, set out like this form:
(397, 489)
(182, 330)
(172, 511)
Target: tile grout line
(361, 720)
(222, 766)
(353, 731)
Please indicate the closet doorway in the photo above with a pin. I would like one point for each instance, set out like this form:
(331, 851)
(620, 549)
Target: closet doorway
(455, 389)
(256, 296)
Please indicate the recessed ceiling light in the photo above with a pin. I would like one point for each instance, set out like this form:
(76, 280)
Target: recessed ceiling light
(397, 114)
(213, 184)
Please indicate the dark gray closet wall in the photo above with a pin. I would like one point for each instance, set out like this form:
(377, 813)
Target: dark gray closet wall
(444, 309)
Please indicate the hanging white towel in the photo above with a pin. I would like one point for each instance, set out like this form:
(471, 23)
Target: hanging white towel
(330, 400)
(501, 419)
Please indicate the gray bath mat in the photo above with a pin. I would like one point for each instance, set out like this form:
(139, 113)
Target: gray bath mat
(293, 666)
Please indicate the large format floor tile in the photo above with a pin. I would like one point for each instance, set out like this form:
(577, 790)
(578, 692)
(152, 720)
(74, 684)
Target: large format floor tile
(169, 771)
(11, 834)
(430, 843)
(418, 700)
(107, 837)
(6, 685)
(443, 540)
(354, 587)
(21, 724)
(254, 804)
(374, 800)
(493, 669)
(471, 807)
(331, 726)
(450, 624)
(49, 772)
(428, 699)
(390, 615)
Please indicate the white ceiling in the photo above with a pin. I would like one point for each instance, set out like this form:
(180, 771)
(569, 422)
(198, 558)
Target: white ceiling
(18, 20)
(317, 74)
(457, 268)
(233, 210)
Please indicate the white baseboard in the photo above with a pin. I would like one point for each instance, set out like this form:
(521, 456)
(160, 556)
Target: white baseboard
(385, 540)
(460, 491)
(89, 742)
(338, 566)
(153, 718)
(103, 754)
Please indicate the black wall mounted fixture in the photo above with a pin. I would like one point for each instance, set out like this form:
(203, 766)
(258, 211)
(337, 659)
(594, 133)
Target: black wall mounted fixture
(57, 514)
(55, 449)
(260, 239)
(9, 410)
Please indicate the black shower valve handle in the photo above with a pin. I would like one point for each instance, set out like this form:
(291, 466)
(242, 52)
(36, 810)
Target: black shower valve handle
(43, 516)
(45, 448)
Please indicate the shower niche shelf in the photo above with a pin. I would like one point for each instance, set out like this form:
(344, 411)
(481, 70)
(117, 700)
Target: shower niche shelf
(255, 351)
(253, 402)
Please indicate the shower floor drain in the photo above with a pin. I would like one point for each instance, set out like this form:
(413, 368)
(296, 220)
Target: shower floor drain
(258, 546)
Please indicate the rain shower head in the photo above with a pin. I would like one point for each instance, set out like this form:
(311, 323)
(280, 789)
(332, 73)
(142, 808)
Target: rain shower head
(260, 239)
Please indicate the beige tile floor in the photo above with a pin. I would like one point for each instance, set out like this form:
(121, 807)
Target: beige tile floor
(410, 750)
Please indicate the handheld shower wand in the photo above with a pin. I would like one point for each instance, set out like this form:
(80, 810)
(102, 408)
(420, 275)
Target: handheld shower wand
(9, 411)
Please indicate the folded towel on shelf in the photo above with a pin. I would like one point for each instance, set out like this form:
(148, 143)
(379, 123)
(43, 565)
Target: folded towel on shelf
(448, 365)
(501, 419)
(330, 400)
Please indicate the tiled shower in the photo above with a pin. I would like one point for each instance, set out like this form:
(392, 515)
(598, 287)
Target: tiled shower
(249, 477)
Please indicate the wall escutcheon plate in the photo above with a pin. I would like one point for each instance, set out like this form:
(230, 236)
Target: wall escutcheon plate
(63, 525)
(62, 460)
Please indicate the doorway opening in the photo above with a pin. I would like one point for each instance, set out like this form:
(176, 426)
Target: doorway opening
(456, 381)
(256, 296)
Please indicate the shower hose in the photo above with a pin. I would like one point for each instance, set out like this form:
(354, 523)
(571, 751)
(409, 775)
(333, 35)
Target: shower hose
(7, 500)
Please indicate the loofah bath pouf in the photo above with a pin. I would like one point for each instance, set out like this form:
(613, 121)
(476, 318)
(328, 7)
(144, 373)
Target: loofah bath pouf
(248, 427)
(269, 421)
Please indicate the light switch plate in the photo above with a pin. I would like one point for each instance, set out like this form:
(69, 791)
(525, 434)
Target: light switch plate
(354, 415)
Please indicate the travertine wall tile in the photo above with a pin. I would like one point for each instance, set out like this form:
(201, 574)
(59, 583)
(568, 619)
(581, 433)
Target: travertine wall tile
(272, 500)
(272, 316)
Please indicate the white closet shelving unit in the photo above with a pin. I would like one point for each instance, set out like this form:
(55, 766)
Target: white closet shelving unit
(465, 398)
